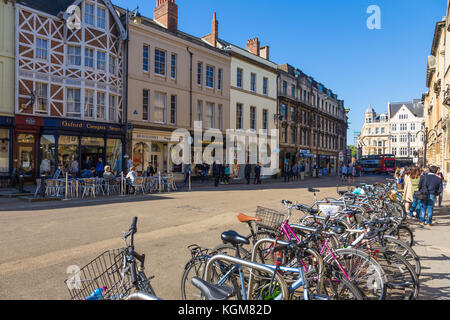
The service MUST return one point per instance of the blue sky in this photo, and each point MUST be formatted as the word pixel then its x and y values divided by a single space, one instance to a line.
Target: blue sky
pixel 329 40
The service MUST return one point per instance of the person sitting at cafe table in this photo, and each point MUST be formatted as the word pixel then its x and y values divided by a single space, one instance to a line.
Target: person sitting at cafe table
pixel 108 175
pixel 88 173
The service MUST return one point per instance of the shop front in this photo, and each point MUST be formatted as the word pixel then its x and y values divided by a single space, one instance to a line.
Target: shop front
pixel 154 147
pixel 6 136
pixel 307 158
pixel 80 145
pixel 26 145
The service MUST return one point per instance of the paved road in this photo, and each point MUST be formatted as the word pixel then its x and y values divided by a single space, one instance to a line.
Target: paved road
pixel 39 241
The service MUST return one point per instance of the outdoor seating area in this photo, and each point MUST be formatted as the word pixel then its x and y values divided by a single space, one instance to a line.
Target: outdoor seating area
pixel 75 188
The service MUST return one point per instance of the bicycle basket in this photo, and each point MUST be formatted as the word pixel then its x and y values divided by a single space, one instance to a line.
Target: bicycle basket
pixel 270 219
pixel 329 210
pixel 392 195
pixel 103 271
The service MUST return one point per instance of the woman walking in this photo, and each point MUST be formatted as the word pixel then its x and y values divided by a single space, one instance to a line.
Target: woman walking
pixel 413 183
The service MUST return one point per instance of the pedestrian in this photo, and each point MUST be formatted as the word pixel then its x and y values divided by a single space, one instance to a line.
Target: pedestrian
pixel 100 168
pixel 150 170
pixel 131 179
pixel 87 164
pixel 222 173
pixel 295 172
pixel 74 167
pixel 431 185
pixel 248 172
pixel 344 172
pixel 302 171
pixel 206 172
pixel 216 173
pixel 187 174
pixel 287 172
pixel 407 190
pixel 227 174
pixel 353 168
pixel 257 174
pixel 414 179
pixel 440 175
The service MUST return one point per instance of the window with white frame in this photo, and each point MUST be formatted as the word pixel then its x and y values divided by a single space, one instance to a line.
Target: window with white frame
pixel 101 106
pixel 265 86
pixel 89 58
pixel 239 116
pixel 220 110
pixel 146 58
pixel 89 14
pixel 145 105
pixel 89 104
pixel 239 77
pixel 219 79
pixel 41 97
pixel 160 107
pixel 173 109
pixel 112 64
pixel 265 119
pixel 112 108
pixel 74 102
pixel 74 53
pixel 253 118
pixel 394 139
pixel 173 66
pixel 101 18
pixel 209 77
pixel 101 60
pixel 413 126
pixel 41 49
pixel 210 115
pixel 403 127
pixel 253 82
pixel 160 62
pixel 199 73
pixel 394 127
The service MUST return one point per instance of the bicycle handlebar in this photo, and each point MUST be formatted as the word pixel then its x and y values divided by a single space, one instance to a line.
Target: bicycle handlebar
pixel 133 227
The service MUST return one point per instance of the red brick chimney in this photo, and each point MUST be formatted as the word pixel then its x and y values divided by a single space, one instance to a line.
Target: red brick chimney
pixel 214 35
pixel 253 46
pixel 166 13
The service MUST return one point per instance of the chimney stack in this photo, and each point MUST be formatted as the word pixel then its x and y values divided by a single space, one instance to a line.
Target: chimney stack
pixel 253 46
pixel 166 13
pixel 214 35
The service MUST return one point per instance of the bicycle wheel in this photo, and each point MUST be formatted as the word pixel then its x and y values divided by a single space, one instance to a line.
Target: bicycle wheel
pixel 403 233
pixel 196 268
pixel 402 282
pixel 339 288
pixel 359 268
pixel 230 250
pixel 393 244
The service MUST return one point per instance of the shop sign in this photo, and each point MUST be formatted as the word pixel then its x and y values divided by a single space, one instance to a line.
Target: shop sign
pixel 146 137
pixel 83 125
pixel 6 121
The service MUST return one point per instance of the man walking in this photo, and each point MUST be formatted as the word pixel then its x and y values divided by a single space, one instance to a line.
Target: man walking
pixel 248 172
pixel 429 184
pixel 302 171
pixel 258 174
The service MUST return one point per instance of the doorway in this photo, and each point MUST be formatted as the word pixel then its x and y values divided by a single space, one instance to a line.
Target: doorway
pixel 157 158
pixel 25 155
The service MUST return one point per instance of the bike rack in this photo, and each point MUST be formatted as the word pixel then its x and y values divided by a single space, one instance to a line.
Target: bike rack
pixel 142 296
pixel 252 266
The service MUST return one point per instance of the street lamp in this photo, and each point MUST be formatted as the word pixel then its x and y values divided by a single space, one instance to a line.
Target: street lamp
pixel 426 132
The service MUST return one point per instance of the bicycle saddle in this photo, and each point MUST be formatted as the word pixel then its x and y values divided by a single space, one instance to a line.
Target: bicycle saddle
pixel 244 218
pixel 234 238
pixel 341 193
pixel 313 190
pixel 212 292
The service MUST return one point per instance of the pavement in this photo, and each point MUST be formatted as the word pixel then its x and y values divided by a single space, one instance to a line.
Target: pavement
pixel 40 241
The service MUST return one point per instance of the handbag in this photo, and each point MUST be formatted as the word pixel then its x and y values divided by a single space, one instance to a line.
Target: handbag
pixel 420 195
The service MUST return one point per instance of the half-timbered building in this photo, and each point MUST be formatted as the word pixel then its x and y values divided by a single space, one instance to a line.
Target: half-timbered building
pixel 69 85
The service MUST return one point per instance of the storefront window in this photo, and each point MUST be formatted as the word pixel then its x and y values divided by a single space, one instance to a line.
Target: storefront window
pixel 141 153
pixel 92 150
pixel 114 154
pixel 47 147
pixel 68 153
pixel 4 151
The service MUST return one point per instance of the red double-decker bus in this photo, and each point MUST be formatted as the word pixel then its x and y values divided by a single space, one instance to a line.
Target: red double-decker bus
pixel 387 163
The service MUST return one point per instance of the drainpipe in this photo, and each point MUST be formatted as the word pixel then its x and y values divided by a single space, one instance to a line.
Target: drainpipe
pixel 190 88
pixel 125 101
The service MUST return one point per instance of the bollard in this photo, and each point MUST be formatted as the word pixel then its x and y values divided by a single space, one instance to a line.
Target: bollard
pixel 43 186
pixel 122 186
pixel 21 187
pixel 190 187
pixel 66 195
pixel 159 181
